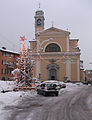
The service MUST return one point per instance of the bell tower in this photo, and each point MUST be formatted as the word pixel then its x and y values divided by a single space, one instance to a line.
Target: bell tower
pixel 39 21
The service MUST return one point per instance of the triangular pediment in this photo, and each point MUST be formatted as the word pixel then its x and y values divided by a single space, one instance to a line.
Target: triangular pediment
pixel 55 30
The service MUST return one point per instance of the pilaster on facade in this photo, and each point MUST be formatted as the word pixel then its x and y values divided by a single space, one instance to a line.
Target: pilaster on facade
pixel 67 42
pixel 68 65
pixel 68 70
pixel 37 68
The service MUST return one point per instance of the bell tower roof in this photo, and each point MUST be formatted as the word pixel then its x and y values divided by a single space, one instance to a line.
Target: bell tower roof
pixel 39 13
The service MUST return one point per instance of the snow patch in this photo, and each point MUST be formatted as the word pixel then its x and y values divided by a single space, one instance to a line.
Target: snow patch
pixel 30 116
pixel 71 87
pixel 11 98
pixel 7 85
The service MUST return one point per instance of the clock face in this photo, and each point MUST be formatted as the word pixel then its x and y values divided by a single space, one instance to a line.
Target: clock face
pixel 39 22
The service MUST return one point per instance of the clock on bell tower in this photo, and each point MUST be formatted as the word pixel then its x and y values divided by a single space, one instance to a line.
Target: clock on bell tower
pixel 39 21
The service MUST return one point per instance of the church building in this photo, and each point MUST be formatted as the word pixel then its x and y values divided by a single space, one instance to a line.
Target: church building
pixel 56 55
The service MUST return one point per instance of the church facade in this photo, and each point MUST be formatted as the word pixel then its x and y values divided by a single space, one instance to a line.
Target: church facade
pixel 57 57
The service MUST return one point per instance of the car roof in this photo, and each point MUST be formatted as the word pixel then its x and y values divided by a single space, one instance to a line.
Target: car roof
pixel 50 81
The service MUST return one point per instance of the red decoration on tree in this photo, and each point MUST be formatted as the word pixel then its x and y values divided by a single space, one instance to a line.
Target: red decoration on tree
pixel 22 38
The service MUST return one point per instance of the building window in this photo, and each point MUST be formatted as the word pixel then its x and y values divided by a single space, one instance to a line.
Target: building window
pixel 8 54
pixel 3 62
pixel 52 48
pixel 12 55
pixel 3 71
pixel 3 53
pixel 9 71
pixel 3 78
pixel 88 72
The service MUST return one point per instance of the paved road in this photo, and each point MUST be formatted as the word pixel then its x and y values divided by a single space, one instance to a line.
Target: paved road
pixel 67 106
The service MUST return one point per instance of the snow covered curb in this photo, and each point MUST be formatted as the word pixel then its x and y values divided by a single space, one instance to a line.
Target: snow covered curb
pixel 7 85
pixel 71 87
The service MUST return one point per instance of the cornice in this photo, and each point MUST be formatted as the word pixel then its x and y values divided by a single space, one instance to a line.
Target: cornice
pixel 56 54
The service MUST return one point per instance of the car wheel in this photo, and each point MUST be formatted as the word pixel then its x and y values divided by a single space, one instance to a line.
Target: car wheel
pixel 44 93
pixel 57 94
pixel 38 92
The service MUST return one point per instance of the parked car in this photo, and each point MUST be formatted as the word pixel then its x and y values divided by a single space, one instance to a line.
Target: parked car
pixel 62 85
pixel 86 82
pixel 48 88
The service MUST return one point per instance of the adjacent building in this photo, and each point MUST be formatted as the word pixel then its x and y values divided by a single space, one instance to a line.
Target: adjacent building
pixel 7 63
pixel 88 75
pixel 56 55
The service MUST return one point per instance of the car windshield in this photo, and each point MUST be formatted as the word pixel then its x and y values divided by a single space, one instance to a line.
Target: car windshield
pixel 51 85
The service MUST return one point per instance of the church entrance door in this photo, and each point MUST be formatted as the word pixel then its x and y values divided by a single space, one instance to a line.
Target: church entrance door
pixel 53 74
pixel 52 71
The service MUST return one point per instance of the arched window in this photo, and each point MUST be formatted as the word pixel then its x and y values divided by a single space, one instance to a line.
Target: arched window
pixel 52 48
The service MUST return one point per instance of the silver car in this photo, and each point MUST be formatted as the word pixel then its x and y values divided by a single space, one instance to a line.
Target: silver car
pixel 48 88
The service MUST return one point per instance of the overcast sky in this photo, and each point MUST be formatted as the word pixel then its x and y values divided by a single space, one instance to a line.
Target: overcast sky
pixel 17 19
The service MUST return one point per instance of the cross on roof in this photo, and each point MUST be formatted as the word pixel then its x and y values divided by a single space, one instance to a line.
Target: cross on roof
pixel 39 5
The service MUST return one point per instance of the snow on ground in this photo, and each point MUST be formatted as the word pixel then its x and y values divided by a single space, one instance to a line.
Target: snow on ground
pixel 71 86
pixel 11 98
pixel 7 85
